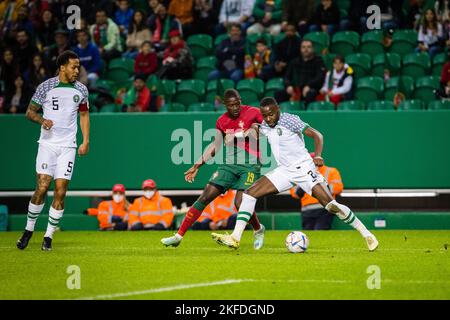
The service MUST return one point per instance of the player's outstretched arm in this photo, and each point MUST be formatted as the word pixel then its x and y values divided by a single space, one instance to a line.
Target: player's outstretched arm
pixel 33 115
pixel 85 130
pixel 318 144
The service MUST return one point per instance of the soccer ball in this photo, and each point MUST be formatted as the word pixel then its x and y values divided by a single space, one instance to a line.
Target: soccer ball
pixel 297 242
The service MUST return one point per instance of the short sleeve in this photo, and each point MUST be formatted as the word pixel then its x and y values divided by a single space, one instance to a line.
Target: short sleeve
pixel 294 123
pixel 39 95
pixel 84 102
pixel 219 125
pixel 258 116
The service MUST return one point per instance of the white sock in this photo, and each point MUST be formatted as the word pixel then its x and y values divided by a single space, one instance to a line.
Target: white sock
pixel 54 217
pixel 33 213
pixel 178 236
pixel 347 216
pixel 245 213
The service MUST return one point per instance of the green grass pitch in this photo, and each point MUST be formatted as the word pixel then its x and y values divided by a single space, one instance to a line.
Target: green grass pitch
pixel 134 265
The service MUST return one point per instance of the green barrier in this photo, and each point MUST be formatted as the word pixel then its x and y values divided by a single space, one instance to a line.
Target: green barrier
pixel 381 149
pixel 3 218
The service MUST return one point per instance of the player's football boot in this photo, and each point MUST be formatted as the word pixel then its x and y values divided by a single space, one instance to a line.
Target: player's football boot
pixel 258 237
pixel 226 240
pixel 22 243
pixel 372 242
pixel 47 244
pixel 173 241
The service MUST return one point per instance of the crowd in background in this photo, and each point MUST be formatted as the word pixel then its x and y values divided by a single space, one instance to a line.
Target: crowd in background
pixel 154 33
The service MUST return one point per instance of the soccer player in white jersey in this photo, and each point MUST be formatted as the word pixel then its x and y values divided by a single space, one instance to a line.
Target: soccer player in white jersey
pixel 295 167
pixel 61 99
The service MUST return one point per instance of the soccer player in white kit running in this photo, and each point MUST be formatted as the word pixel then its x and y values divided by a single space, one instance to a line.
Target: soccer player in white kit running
pixel 61 98
pixel 295 167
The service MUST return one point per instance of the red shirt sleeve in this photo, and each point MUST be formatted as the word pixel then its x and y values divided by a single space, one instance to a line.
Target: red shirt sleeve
pixel 219 125
pixel 144 99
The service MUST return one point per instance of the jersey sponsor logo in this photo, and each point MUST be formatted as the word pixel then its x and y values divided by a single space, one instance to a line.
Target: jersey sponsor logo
pixel 44 166
pixel 76 98
pixel 215 175
pixel 279 131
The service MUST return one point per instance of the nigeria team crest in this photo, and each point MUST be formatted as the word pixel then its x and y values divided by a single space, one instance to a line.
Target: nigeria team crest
pixel 76 98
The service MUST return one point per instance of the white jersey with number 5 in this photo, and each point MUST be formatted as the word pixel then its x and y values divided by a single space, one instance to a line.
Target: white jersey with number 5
pixel 60 103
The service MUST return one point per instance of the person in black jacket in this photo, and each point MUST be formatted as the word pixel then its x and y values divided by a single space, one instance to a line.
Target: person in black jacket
pixel 230 56
pixel 304 76
pixel 326 18
pixel 286 50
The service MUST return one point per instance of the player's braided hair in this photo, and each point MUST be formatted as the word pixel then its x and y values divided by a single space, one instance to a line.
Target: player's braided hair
pixel 268 101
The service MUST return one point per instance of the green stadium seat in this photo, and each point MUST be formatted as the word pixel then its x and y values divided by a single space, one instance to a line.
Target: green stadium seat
pixel 416 64
pixel 369 89
pixel 220 38
pixel 351 105
pixel 104 84
pixel 276 39
pixel 200 45
pixel 439 105
pixel 117 74
pixel 173 107
pixel 411 105
pixel 425 87
pixel 212 89
pixel 254 104
pixel 107 108
pixel 204 66
pixel 153 82
pixel 126 64
pixel 360 62
pixel 390 61
pixel 92 97
pixel 328 60
pixel 394 85
pixel 320 41
pixel 372 42
pixel 272 86
pixel 438 62
pixel 381 105
pixel 320 106
pixel 190 92
pixel 343 13
pixel 289 106
pixel 201 107
pixel 250 89
pixel 344 4
pixel 251 39
pixel 345 42
pixel 403 42
pixel 166 89
pixel 93 108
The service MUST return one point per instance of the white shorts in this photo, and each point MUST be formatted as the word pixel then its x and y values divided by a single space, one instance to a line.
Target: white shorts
pixel 303 175
pixel 55 161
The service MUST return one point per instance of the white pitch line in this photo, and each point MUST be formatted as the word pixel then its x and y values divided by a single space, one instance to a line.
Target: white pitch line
pixel 165 289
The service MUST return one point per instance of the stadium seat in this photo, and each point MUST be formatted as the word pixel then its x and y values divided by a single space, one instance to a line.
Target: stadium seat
pixel 416 64
pixel 93 108
pixel 320 40
pixel 201 107
pixel 320 106
pixel 152 82
pixel 126 64
pixel 390 61
pixel 173 107
pixel 411 105
pixel 403 42
pixel 104 84
pixel 328 60
pixel 438 62
pixel 351 105
pixel 289 106
pixel 250 89
pixel 250 42
pixel 117 74
pixel 200 45
pixel 345 42
pixel 369 89
pixel 217 88
pixel 344 4
pixel 278 38
pixel 190 92
pixel 439 105
pixel 425 88
pixel 372 42
pixel 107 108
pixel 360 62
pixel 220 38
pixel 272 86
pixel 381 105
pixel 167 89
pixel 204 66
pixel 394 85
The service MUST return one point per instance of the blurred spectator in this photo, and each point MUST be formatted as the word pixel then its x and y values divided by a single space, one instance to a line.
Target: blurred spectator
pixel 235 12
pixel 304 76
pixel 392 16
pixel 387 38
pixel 326 17
pixel 20 23
pixel 230 56
pixel 138 97
pixel 9 70
pixel 89 56
pixel 61 44
pixel 152 211
pixel 152 5
pixel 37 72
pixel 314 215
pixel 45 30
pixel 177 61
pixel 338 82
pixel 268 17
pixel 160 25
pixel 285 51
pixel 17 100
pixel 444 92
pixel 123 16
pixel 106 36
pixel 431 34
pixel 138 33
pixel 261 64
pixel 183 11
pixel 24 50
pixel 298 13
pixel 146 61
pixel 219 214
pixel 206 15
pixel 9 9
pixel 415 14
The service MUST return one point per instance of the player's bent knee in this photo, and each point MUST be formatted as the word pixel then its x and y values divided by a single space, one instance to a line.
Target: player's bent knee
pixel 332 207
